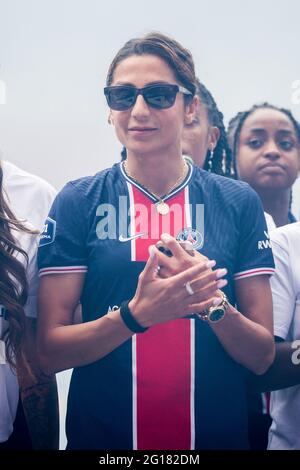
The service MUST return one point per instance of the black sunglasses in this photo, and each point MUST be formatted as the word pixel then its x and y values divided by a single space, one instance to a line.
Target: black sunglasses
pixel 160 96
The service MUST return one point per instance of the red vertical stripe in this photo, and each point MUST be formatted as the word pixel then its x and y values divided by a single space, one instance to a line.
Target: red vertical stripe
pixel 163 387
pixel 163 368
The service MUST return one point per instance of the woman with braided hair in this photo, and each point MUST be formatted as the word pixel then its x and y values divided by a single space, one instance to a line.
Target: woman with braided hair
pixel 32 421
pixel 265 145
pixel 205 140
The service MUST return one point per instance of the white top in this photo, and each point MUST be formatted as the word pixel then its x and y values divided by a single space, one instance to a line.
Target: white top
pixel 285 404
pixel 30 198
pixel 270 222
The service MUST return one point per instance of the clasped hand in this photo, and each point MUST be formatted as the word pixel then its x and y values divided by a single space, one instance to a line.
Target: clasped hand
pixel 176 286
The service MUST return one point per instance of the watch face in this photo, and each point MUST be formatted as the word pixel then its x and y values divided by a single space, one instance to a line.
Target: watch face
pixel 217 314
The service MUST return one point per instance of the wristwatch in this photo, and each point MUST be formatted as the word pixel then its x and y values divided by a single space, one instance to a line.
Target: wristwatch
pixel 216 313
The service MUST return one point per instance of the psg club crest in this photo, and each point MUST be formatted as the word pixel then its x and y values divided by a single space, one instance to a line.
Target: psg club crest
pixel 193 236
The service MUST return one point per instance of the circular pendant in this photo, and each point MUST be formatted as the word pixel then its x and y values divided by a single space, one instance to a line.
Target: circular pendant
pixel 162 208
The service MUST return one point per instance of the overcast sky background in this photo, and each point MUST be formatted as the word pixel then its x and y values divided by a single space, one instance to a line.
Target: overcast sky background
pixel 54 56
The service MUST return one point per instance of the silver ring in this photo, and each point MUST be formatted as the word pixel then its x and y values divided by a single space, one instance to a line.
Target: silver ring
pixel 189 288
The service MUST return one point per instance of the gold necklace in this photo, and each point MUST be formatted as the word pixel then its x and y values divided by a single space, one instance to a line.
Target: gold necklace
pixel 161 206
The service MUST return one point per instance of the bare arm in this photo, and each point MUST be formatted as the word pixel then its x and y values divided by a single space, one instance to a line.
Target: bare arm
pixel 63 344
pixel 284 372
pixel 39 397
pixel 248 337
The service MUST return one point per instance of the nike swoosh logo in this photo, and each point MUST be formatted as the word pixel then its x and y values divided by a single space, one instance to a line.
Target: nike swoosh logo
pixel 133 237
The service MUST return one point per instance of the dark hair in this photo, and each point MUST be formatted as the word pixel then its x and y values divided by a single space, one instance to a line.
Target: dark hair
pixel 123 154
pixel 13 283
pixel 237 122
pixel 177 57
pixel 221 163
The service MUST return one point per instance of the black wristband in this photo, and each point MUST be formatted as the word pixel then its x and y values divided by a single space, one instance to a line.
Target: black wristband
pixel 129 319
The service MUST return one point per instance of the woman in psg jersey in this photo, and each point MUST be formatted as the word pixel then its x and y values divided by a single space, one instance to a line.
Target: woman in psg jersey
pixel 161 358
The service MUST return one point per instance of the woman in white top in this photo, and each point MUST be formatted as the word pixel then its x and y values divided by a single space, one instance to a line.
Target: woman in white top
pixel 24 203
pixel 284 375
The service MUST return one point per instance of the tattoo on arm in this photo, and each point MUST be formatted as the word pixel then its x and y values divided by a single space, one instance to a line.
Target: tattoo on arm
pixel 40 403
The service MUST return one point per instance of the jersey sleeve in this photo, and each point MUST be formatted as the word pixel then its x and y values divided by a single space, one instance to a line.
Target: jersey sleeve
pixel 254 252
pixel 282 286
pixel 62 246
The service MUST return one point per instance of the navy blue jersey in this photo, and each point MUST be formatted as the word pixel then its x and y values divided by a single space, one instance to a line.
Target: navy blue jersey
pixel 173 387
